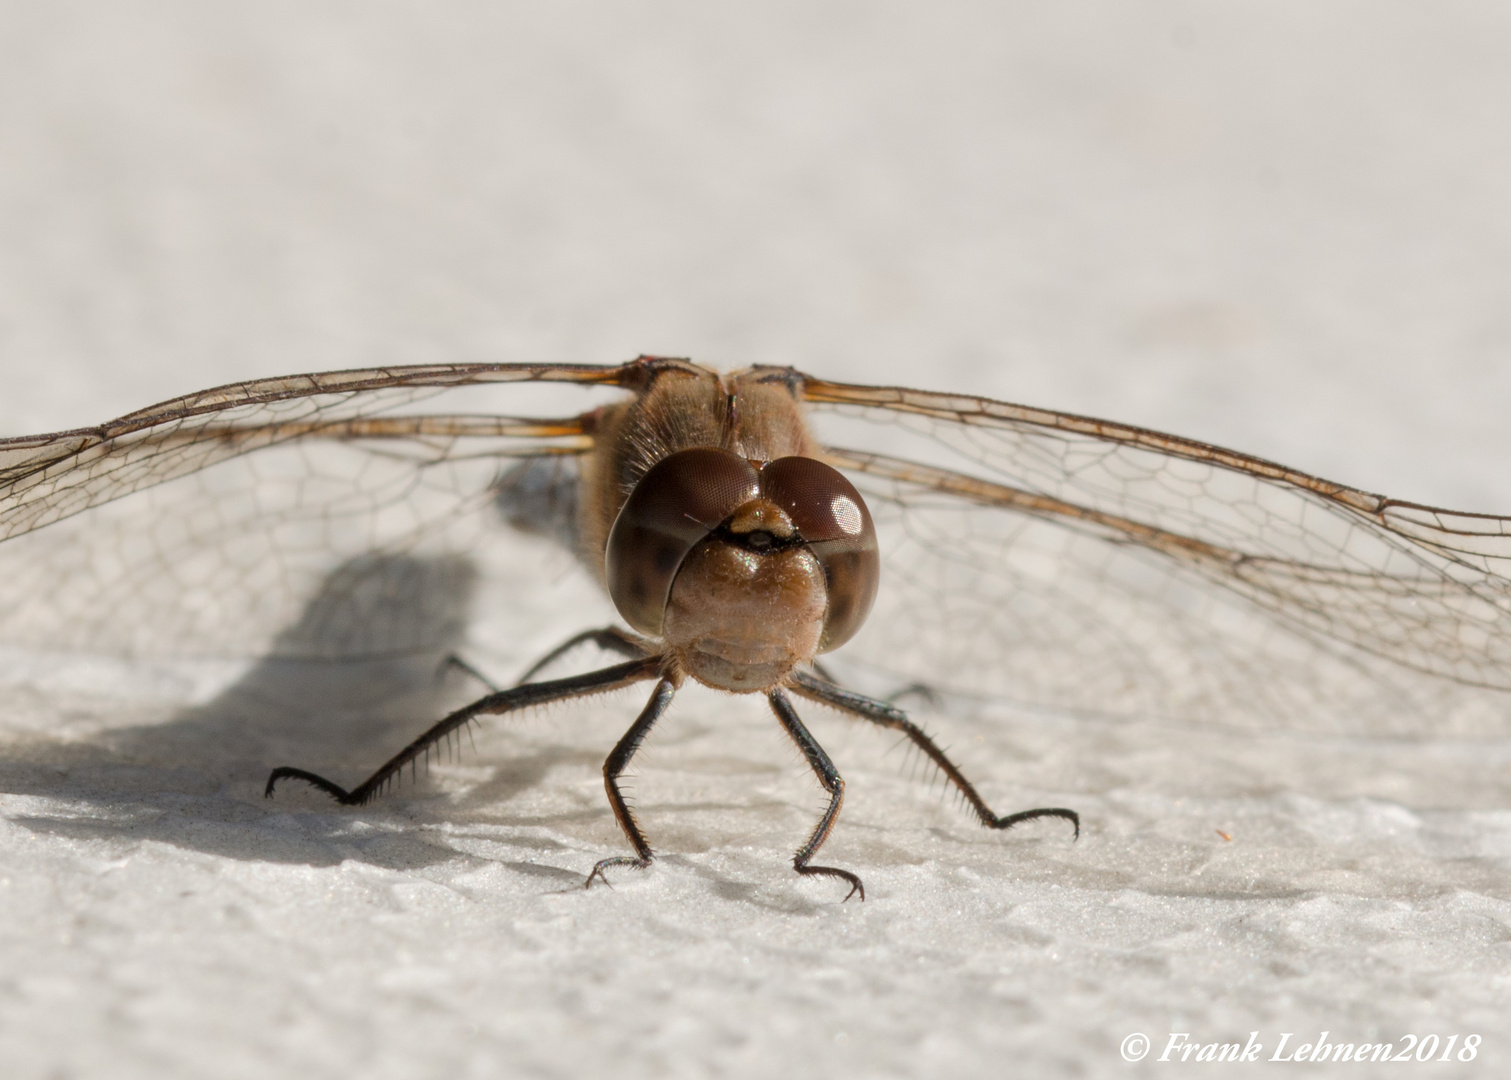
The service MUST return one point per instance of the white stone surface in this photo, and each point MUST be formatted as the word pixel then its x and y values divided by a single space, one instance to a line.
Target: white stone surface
pixel 1283 227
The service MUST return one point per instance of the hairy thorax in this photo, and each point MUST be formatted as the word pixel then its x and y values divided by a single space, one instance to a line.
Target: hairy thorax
pixel 747 599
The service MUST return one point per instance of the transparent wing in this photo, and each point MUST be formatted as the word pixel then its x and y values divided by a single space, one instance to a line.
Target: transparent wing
pixel 1033 558
pixel 1056 561
pixel 210 525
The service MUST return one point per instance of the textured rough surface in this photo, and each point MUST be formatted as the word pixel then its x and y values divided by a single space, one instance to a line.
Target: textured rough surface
pixel 1277 227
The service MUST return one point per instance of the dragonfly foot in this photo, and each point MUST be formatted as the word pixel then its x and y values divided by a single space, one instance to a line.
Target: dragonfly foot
pixel 856 888
pixel 287 772
pixel 1007 821
pixel 604 864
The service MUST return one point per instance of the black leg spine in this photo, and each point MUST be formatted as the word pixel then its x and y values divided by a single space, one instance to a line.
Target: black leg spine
pixel 613 768
pixel 829 776
pixel 504 701
pixel 889 716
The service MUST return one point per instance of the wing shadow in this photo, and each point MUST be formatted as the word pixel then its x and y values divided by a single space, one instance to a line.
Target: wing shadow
pixel 354 679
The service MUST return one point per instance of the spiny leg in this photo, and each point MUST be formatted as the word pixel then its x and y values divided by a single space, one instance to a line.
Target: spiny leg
pixel 455 662
pixel 922 691
pixel 519 697
pixel 614 766
pixel 607 638
pixel 889 717
pixel 829 776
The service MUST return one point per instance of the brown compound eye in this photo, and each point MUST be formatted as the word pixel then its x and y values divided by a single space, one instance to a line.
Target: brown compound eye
pixel 679 501
pixel 832 519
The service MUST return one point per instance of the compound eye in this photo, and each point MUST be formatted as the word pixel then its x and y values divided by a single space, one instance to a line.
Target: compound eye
pixel 680 500
pixel 832 519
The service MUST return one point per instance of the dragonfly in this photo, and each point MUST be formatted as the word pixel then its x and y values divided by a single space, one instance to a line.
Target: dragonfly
pixel 767 531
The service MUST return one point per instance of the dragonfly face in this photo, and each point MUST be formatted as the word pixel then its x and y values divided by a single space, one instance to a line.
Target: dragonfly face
pixel 746 566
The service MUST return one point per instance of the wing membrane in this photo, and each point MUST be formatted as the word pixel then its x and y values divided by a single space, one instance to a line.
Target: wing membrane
pixel 49 477
pixel 1072 563
pixel 205 525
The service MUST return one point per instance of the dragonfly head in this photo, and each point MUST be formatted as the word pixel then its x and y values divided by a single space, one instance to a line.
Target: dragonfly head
pixel 744 571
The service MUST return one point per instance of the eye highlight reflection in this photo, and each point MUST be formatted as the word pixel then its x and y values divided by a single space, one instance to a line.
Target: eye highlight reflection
pixel 847 515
